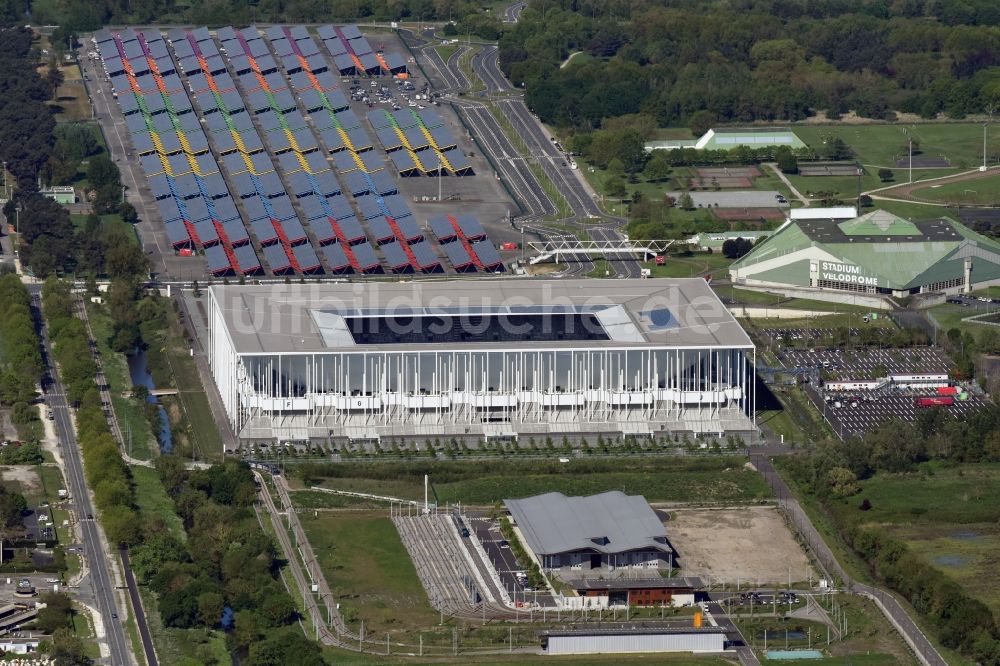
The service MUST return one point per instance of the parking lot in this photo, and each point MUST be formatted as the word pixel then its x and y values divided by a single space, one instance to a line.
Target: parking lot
pixel 858 412
pixel 503 560
pixel 870 362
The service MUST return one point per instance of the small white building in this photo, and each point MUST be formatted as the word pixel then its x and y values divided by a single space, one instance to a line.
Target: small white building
pixel 683 639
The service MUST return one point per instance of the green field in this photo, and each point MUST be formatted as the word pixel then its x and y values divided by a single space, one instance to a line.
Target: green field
pixel 446 50
pixel 878 145
pixel 948 516
pixel 140 440
pixel 370 571
pixel 704 479
pixel 154 502
pixel 981 191
pixel 698 264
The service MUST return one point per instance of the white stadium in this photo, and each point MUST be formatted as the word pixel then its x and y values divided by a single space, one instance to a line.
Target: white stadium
pixel 476 358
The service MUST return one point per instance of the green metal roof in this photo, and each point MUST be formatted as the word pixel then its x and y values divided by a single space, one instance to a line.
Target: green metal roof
pixel 898 263
pixel 879 223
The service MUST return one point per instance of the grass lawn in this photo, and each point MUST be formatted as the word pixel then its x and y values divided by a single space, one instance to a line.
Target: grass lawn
pixel 698 264
pixel 878 144
pixel 950 316
pixel 670 478
pixel 107 221
pixel 71 103
pixel 446 50
pixel 153 501
pixel 985 191
pixel 751 297
pixel 988 292
pixel 130 415
pixel 189 412
pixel 367 566
pixel 948 515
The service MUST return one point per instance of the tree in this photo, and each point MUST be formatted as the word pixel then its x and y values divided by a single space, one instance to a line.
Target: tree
pixel 128 213
pixel 685 201
pixel 66 649
pixel 842 482
pixel 58 612
pixel 701 121
pixel 122 525
pixel 105 178
pixel 210 606
pixel 786 160
pixel 615 187
pixel 658 167
pixel 734 248
pixel 885 175
pixel 54 78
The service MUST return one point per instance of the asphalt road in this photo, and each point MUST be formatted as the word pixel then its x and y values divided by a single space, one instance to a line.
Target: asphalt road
pixel 512 14
pixel 622 263
pixel 513 169
pixel 98 561
pixel 486 65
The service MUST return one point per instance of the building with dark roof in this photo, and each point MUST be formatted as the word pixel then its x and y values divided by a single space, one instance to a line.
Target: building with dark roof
pixel 608 532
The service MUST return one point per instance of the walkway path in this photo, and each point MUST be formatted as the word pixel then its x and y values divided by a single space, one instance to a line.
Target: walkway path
pixel 784 179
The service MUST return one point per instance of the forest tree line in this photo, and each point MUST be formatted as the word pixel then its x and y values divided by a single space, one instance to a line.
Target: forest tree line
pixel 694 63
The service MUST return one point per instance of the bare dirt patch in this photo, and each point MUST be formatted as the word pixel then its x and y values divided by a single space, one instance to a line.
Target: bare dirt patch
pixel 25 477
pixel 750 544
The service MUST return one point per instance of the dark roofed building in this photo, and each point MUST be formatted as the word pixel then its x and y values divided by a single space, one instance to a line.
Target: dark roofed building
pixel 605 532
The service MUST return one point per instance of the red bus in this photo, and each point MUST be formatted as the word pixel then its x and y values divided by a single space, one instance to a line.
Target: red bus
pixel 947 390
pixel 937 401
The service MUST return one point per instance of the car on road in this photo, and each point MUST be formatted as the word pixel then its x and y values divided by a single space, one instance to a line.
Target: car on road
pixel 114 615
pixel 504 543
pixel 90 516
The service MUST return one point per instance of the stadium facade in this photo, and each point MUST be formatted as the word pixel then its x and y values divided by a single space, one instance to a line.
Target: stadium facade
pixel 478 358
pixel 877 253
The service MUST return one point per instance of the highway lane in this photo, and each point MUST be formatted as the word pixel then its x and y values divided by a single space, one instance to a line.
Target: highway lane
pixel 623 263
pixel 486 65
pixel 514 169
pixel 551 159
pixel 512 13
pixel 90 531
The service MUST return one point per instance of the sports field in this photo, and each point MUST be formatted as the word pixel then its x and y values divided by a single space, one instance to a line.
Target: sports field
pixel 879 145
pixel 981 191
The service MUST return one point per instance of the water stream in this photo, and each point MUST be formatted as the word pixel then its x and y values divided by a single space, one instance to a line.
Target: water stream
pixel 141 377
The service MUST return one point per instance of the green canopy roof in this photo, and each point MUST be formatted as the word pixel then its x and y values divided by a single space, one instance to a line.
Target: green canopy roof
pixel 879 223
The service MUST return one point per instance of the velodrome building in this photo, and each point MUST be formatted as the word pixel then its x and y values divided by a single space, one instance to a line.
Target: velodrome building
pixel 478 358
pixel 877 253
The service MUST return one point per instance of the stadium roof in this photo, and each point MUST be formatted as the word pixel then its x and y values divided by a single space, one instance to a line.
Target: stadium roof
pixel 281 318
pixel 610 522
pixel 898 253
